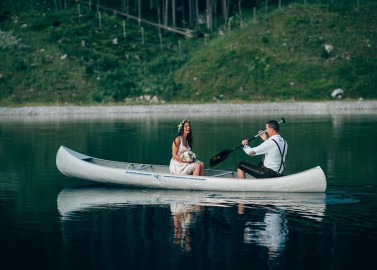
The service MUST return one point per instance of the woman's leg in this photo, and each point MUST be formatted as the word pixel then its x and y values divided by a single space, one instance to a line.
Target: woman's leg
pixel 199 169
pixel 202 172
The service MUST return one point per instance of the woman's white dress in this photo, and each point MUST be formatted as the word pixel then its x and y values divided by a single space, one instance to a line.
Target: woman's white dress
pixel 178 167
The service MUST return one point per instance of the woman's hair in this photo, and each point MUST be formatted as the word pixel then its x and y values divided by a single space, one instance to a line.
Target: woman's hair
pixel 181 125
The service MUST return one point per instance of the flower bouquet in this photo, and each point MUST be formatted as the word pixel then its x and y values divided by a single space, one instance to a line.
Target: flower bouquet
pixel 188 156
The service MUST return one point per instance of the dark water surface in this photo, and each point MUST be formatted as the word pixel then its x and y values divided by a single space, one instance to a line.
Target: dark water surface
pixel 49 221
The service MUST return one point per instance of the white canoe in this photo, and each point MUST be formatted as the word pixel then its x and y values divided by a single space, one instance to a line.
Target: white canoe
pixel 74 164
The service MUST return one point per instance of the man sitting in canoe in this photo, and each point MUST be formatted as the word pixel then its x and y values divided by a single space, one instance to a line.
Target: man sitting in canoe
pixel 275 149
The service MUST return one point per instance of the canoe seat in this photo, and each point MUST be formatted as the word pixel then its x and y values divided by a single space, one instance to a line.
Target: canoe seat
pixel 141 167
pixel 221 174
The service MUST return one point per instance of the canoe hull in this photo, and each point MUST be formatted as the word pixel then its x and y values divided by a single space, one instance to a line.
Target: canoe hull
pixel 77 165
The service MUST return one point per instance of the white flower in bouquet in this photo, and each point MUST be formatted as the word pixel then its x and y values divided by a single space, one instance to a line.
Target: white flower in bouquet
pixel 188 156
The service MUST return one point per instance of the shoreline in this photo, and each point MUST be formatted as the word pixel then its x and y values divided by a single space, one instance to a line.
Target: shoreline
pixel 315 108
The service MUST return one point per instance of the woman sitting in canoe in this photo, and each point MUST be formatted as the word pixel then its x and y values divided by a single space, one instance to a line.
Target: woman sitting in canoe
pixel 183 160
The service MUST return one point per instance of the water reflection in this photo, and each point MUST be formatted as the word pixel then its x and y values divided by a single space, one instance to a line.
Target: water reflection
pixel 183 216
pixel 187 206
pixel 72 200
pixel 272 233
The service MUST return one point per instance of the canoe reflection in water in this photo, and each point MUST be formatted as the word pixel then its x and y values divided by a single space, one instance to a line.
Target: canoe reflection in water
pixel 187 206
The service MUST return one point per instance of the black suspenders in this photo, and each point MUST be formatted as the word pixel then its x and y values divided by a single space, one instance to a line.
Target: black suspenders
pixel 282 155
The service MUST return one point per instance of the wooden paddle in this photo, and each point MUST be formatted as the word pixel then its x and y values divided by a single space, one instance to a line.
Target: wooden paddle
pixel 220 157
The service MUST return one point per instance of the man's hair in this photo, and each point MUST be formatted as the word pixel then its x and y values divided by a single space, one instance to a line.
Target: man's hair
pixel 274 125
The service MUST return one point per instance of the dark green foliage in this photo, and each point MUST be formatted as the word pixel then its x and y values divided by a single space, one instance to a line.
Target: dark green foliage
pixel 20 65
pixel 107 63
pixel 116 86
pixel 51 55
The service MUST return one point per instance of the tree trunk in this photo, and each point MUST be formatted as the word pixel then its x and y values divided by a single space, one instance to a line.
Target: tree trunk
pixel 197 12
pixel 139 9
pixel 165 12
pixel 123 6
pixel 159 17
pixel 224 7
pixel 173 9
pixel 214 14
pixel 209 15
pixel 190 8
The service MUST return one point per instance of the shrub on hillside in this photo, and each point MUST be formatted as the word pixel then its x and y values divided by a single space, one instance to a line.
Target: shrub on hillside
pixel 8 41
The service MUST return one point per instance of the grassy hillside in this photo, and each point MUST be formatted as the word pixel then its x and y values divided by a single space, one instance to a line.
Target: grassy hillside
pixel 283 56
pixel 57 57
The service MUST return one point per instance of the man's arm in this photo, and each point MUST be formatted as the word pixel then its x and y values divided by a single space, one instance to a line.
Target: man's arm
pixel 248 150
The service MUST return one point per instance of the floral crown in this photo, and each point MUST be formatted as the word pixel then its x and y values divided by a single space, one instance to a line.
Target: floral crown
pixel 180 126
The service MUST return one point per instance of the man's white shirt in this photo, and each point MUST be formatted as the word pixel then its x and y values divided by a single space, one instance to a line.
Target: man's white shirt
pixel 271 151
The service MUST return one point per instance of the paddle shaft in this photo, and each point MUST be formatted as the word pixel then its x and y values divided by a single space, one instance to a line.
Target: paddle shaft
pixel 249 140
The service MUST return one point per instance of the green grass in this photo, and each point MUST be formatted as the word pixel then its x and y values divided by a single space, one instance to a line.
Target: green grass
pixel 281 56
pixel 32 70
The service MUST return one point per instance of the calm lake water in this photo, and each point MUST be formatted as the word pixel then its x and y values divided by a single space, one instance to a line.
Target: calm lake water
pixel 49 221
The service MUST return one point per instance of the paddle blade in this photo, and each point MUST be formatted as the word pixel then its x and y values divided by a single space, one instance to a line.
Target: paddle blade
pixel 219 157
